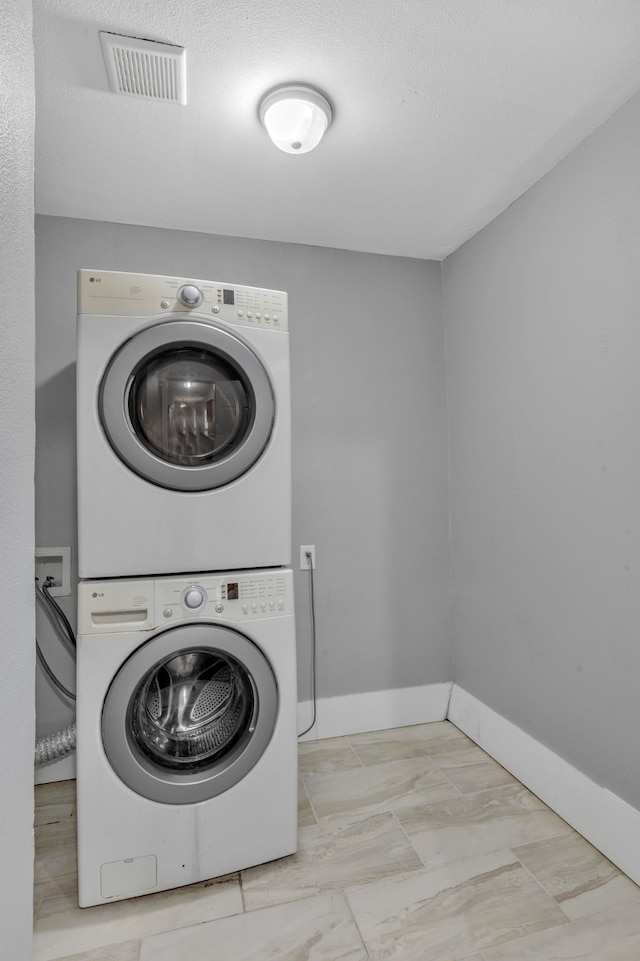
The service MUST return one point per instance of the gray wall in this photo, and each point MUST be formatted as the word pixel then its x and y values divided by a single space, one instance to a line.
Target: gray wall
pixel 16 480
pixel 543 355
pixel 369 434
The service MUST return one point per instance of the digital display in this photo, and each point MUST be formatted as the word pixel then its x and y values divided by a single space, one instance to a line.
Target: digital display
pixel 228 297
pixel 232 591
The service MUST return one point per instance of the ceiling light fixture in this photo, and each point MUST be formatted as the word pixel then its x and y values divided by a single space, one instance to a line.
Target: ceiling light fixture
pixel 295 117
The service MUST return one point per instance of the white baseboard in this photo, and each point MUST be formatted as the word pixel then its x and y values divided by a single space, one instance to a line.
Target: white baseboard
pixel 374 710
pixel 603 818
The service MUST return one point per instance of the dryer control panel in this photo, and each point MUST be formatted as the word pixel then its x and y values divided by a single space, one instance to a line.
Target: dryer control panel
pixel 142 604
pixel 147 295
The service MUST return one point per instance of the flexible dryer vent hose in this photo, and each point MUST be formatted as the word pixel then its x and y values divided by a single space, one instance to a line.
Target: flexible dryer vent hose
pixel 55 746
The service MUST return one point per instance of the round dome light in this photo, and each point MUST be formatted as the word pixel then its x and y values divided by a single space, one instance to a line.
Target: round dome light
pixel 295 117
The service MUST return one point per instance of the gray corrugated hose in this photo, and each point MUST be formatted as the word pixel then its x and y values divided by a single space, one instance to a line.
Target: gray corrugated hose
pixel 54 746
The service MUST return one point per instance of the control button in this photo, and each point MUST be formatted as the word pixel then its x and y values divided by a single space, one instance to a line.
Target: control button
pixel 249 315
pixel 266 316
pixel 272 605
pixel 190 295
pixel 194 597
pixel 245 608
pixel 254 607
pixel 215 310
pixel 164 304
pixel 167 612
pixel 241 313
pixel 219 608
pixel 276 319
pixel 258 316
pixel 263 605
pixel 280 603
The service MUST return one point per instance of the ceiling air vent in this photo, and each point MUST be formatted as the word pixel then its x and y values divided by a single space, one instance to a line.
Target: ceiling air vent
pixel 145 68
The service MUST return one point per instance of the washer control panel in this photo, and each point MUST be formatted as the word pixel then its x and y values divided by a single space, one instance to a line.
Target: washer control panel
pixel 141 604
pixel 145 295
pixel 238 596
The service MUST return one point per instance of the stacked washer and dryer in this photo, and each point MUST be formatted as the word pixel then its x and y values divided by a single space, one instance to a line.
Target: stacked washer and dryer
pixel 186 663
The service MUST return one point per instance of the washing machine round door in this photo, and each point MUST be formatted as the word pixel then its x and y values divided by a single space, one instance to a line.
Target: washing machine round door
pixel 187 405
pixel 189 714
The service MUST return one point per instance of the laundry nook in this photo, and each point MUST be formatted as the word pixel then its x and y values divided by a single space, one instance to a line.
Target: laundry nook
pixel 320 519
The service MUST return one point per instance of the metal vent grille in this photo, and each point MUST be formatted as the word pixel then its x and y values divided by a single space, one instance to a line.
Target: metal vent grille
pixel 145 68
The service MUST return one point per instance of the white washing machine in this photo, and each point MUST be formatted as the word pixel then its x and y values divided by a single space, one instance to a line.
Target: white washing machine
pixel 186 729
pixel 183 426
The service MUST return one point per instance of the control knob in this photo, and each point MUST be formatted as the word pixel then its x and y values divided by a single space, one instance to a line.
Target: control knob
pixel 194 597
pixel 190 295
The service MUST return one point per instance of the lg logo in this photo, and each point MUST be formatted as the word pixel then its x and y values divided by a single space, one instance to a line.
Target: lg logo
pixel 95 280
pixel 96 594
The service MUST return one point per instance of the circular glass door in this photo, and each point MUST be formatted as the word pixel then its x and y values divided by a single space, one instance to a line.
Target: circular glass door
pixel 187 405
pixel 189 714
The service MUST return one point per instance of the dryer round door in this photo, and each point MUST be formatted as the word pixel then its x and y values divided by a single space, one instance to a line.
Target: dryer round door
pixel 189 713
pixel 187 405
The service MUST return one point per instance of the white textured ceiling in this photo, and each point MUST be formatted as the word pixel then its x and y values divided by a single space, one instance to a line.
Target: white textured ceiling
pixel 445 112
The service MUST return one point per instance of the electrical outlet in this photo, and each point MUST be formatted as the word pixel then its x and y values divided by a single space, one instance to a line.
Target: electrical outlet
pixel 304 550
pixel 54 562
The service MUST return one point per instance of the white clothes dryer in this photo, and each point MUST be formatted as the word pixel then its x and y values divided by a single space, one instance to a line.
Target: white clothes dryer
pixel 183 426
pixel 186 729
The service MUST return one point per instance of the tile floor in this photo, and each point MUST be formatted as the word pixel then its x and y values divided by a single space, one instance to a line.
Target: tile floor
pixel 414 846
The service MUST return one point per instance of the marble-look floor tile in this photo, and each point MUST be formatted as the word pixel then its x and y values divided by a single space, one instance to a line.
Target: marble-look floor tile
pixel 54 821
pixel 450 912
pixel 53 813
pixel 315 929
pixel 306 816
pixel 389 786
pixel 456 904
pixel 331 857
pixel 419 740
pixel 54 830
pixel 126 951
pixel 462 748
pixel 77 930
pixel 326 757
pixel 611 935
pixel 61 895
pixel 478 823
pixel 39 889
pixel 472 770
pixel 580 879
pixel 55 857
pixel 55 792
